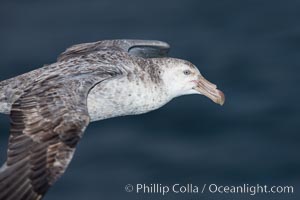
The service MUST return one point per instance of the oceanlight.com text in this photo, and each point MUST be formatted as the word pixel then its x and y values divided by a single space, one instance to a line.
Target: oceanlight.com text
pixel 164 189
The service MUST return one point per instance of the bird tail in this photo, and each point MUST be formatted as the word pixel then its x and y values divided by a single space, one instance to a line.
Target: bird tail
pixel 4 98
pixel 11 89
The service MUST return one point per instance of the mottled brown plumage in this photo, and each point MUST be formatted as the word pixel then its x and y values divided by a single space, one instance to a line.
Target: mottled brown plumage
pixel 50 107
pixel 48 118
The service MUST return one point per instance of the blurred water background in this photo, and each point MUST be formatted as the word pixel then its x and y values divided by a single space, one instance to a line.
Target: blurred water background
pixel 250 49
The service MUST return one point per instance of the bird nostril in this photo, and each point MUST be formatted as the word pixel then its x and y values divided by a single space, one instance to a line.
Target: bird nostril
pixel 205 83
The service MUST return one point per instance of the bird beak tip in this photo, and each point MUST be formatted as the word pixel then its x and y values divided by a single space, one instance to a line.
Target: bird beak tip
pixel 221 99
pixel 210 90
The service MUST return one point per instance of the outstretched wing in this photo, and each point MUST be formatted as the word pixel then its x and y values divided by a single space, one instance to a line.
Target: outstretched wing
pixel 46 124
pixel 140 48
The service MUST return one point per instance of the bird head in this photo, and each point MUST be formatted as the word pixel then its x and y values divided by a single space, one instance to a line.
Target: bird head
pixel 182 78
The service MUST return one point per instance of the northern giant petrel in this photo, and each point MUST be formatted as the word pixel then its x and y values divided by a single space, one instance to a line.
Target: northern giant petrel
pixel 50 107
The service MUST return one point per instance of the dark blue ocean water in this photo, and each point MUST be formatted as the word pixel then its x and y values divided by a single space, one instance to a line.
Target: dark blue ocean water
pixel 250 49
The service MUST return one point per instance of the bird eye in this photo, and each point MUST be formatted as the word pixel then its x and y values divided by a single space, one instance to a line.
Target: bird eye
pixel 186 72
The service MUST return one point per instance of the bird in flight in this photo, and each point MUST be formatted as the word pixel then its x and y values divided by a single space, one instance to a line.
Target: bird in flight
pixel 51 107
